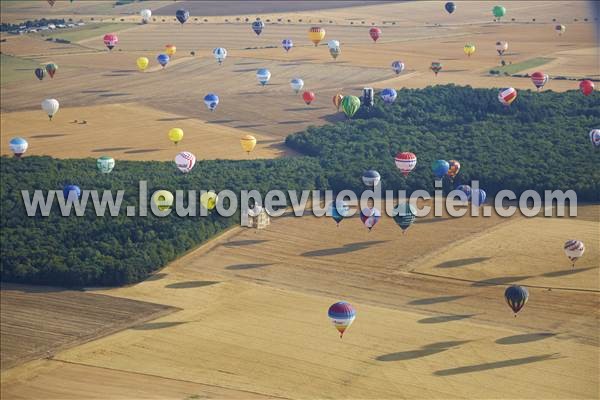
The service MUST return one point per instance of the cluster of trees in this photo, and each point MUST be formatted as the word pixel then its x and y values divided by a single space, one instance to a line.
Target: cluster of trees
pixel 540 142
pixel 5 27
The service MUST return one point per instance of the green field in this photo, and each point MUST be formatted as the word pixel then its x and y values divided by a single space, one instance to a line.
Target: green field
pixel 86 32
pixel 16 69
pixel 527 64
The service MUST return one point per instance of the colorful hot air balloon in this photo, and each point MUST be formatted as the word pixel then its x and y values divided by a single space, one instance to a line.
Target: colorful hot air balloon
pixel 405 162
pixel 436 67
pixel 18 146
pixel 163 199
pixel 182 15
pixel 170 50
pixel 466 189
pixel 469 49
pixel 51 2
pixel 375 33
pixel 499 12
pixel 316 34
pixel 175 135
pixel 297 84
pixel 478 197
pixel 440 168
pixel 574 250
pixel 339 211
pixel 369 217
pixel 404 215
pixel 342 315
pixel 350 105
pixel 586 87
pixel 595 137
pixel 308 97
pixel 248 143
pixel 72 192
pixel 560 29
pixel 110 40
pixel 501 47
pixel 337 100
pixel 332 44
pixel 388 95
pixel 142 63
pixel 146 14
pixel 40 73
pixel 163 59
pixel 539 79
pixel 398 67
pixel 212 101
pixel 287 44
pixel 450 7
pixel 335 52
pixel 220 53
pixel 371 178
pixel 257 27
pixel 263 75
pixel 507 96
pixel 51 69
pixel 516 297
pixel 105 164
pixel 209 200
pixel 454 167
pixel 185 161
pixel 50 106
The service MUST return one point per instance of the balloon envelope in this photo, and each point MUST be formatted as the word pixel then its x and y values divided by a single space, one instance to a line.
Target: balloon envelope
pixel 263 75
pixel 404 215
pixel 398 66
pixel 185 161
pixel 478 197
pixel 40 73
pixel 499 11
pixel 539 79
pixel 287 44
pixel 440 168
pixel 163 59
pixel 50 106
pixel 146 14
pixel 375 33
pixel 450 7
pixel 110 40
pixel 466 189
pixel 257 27
pixel 209 200
pixel 297 84
pixel 105 164
pixel 342 315
pixel 18 146
pixel 248 143
pixel 516 296
pixel 211 101
pixel 454 167
pixel 51 69
pixel 586 87
pixel 350 105
pixel 595 137
pixel 574 249
pixel 370 216
pixel 175 135
pixel 501 47
pixel 388 95
pixel 316 34
pixel 405 162
pixel 371 178
pixel 469 49
pixel 220 53
pixel 170 50
pixel 308 97
pixel 163 199
pixel 339 210
pixel 507 96
pixel 337 100
pixel 142 63
pixel 72 192
pixel 182 15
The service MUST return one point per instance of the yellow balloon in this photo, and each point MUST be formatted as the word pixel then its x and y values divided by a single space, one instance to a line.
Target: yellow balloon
pixel 142 63
pixel 175 135
pixel 163 199
pixel 316 34
pixel 469 49
pixel 170 50
pixel 248 143
pixel 209 200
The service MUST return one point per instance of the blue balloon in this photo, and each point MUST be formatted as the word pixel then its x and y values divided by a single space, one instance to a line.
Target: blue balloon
pixel 263 75
pixel 388 95
pixel 212 101
pixel 287 44
pixel 478 197
pixel 440 168
pixel 466 189
pixel 163 59
pixel 257 27
pixel 72 191
pixel 450 7
pixel 182 15
pixel 339 211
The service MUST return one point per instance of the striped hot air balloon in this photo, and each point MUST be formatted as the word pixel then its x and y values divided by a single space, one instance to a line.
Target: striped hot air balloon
pixel 105 164
pixel 501 47
pixel 507 96
pixel 436 67
pixel 287 44
pixel 371 178
pixel 516 297
pixel 185 161
pixel 263 75
pixel 539 79
pixel 342 315
pixel 337 100
pixel 338 211
pixel 375 33
pixel 18 146
pixel 316 34
pixel 211 101
pixel 574 250
pixel 388 95
pixel 257 27
pixel 248 142
pixel 110 40
pixel 466 189
pixel 595 137
pixel 405 162
pixel 398 67
pixel 404 215
pixel 453 169
pixel 220 53
pixel 370 217
pixel 297 84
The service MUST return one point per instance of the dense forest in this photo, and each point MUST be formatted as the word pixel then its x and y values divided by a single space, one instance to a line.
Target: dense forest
pixel 540 142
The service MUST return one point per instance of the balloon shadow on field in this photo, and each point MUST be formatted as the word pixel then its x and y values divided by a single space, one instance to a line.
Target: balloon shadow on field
pixel 156 277
pixel 46 136
pixel 307 108
pixel 455 70
pixel 221 121
pixel 444 318
pixel 434 300
pixel 424 351
pixel 238 243
pixel 92 91
pixel 141 151
pixel 504 280
pixel 432 220
pixel 245 70
pixel 156 325
pixel 191 284
pixel 497 364
pixel 106 149
pixel 461 262
pixel 566 272
pixel 249 126
pixel 173 119
pixel 347 248
pixel 292 122
pixel 113 94
pixel 237 267
pixel 526 338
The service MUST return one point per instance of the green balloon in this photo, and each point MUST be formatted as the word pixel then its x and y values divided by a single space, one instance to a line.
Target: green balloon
pixel 404 215
pixel 499 11
pixel 105 164
pixel 350 105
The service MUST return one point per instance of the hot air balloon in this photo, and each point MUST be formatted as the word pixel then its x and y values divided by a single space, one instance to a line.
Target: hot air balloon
pixel 185 161
pixel 388 95
pixel 110 40
pixel 105 164
pixel 436 67
pixel 507 96
pixel 342 315
pixel 220 53
pixel 175 135
pixel 369 217
pixel 51 2
pixel 398 67
pixel 375 33
pixel 18 146
pixel 308 97
pixel 339 211
pixel 50 106
pixel 163 199
pixel 287 44
pixel 146 14
pixel 297 84
pixel 405 162
pixel 371 178
pixel 404 215
pixel 332 44
pixel 337 100
pixel 248 143
pixel 586 87
pixel 335 52
pixel 51 69
pixel 516 297
pixel 72 192
pixel 466 189
pixel 454 167
pixel 499 12
pixel 257 27
pixel 440 168
pixel 450 7
pixel 574 250
pixel 163 59
pixel 209 200
pixel 501 47
pixel 469 49
pixel 350 105
pixel 560 29
pixel 595 137
pixel 212 101
pixel 539 79
pixel 316 34
pixel 142 63
pixel 182 15
pixel 478 197
pixel 170 50
pixel 40 73
pixel 263 75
